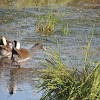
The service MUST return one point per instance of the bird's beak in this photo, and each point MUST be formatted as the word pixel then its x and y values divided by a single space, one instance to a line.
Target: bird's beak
pixel 44 48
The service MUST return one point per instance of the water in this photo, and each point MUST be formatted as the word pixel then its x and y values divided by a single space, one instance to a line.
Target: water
pixel 20 25
pixel 18 83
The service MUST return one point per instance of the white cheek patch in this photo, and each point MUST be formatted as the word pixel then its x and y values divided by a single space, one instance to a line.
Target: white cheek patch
pixel 4 41
pixel 18 45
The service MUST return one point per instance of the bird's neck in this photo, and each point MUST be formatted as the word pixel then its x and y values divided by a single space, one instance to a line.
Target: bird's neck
pixel 33 51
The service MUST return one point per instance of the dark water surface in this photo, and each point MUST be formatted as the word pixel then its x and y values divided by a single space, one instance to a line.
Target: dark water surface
pixel 20 25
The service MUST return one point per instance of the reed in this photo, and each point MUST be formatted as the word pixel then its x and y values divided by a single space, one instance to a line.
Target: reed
pixel 52 22
pixel 61 82
pixel 46 23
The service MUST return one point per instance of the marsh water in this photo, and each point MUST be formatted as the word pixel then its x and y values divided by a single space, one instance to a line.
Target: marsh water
pixel 20 24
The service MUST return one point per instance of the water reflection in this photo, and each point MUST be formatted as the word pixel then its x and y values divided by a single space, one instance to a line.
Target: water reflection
pixel 19 76
pixel 16 78
pixel 5 62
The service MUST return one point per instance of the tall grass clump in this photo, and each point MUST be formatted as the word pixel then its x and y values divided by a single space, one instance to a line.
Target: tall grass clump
pixel 47 23
pixel 61 82
pixel 52 22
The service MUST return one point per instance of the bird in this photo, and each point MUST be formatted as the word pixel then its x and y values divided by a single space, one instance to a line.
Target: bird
pixel 21 56
pixel 4 47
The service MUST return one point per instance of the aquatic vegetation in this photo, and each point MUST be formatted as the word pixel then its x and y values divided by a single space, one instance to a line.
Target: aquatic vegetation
pixel 25 3
pixel 66 30
pixel 52 22
pixel 47 23
pixel 61 82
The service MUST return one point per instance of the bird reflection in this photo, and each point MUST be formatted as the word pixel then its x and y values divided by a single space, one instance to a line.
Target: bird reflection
pixel 18 76
pixel 4 62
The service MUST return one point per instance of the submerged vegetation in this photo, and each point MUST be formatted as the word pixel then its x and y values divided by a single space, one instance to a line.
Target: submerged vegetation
pixel 61 82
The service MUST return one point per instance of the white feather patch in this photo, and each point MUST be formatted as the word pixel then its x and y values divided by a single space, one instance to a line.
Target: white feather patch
pixel 4 40
pixel 24 59
pixel 18 45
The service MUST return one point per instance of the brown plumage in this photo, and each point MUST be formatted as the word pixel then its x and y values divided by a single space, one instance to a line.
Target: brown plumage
pixel 24 53
pixel 4 48
pixel 21 56
pixel 7 43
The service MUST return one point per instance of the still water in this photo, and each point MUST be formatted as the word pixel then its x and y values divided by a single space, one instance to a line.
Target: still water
pixel 20 24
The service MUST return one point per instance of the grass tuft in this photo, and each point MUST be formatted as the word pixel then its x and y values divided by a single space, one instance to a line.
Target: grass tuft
pixel 49 23
pixel 46 23
pixel 61 82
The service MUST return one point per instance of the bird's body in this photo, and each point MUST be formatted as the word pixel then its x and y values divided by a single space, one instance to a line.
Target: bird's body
pixel 4 48
pixel 22 56
pixel 18 55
